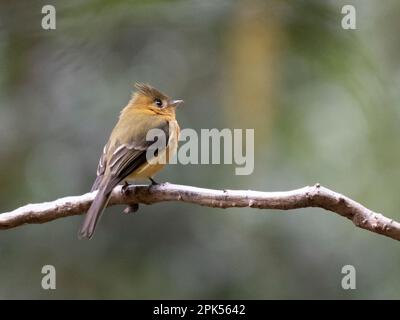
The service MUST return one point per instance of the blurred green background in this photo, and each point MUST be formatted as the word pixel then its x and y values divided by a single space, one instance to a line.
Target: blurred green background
pixel 324 103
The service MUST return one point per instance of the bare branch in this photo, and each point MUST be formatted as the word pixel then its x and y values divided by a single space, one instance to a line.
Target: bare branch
pixel 315 196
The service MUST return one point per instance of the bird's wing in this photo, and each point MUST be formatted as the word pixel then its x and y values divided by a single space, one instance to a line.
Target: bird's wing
pixel 101 169
pixel 129 156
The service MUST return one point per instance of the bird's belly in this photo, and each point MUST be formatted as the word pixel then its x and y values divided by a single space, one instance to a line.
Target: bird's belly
pixel 145 171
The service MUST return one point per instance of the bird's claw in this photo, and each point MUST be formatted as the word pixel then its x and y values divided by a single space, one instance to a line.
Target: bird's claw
pixel 125 188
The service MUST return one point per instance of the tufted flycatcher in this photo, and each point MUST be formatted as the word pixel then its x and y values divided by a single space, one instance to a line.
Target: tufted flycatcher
pixel 125 155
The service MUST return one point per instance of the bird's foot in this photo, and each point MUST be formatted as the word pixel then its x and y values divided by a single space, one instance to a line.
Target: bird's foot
pixel 125 188
pixel 153 182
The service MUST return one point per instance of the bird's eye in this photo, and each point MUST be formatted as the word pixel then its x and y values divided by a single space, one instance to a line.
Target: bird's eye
pixel 158 102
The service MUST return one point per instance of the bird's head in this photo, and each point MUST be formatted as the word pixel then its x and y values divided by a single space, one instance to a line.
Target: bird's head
pixel 150 99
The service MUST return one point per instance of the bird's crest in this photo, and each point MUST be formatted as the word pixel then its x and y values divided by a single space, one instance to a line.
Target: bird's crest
pixel 149 91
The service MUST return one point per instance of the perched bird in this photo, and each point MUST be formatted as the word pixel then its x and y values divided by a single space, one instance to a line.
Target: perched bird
pixel 125 155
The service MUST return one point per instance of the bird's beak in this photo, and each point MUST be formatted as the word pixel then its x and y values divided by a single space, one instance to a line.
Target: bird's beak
pixel 176 103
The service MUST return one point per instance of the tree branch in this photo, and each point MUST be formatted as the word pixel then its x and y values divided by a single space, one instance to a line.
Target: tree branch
pixel 315 196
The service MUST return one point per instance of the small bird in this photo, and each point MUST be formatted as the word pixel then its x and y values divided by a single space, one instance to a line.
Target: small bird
pixel 124 156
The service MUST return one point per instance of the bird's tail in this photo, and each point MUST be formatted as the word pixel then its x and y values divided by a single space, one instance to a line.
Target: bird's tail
pixel 94 213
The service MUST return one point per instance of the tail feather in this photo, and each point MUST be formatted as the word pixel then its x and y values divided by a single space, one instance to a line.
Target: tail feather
pixel 94 213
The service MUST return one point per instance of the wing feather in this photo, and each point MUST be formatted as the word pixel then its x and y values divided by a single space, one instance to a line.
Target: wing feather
pixel 129 156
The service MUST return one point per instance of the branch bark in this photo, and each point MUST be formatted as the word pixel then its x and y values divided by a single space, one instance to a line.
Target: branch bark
pixel 310 196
